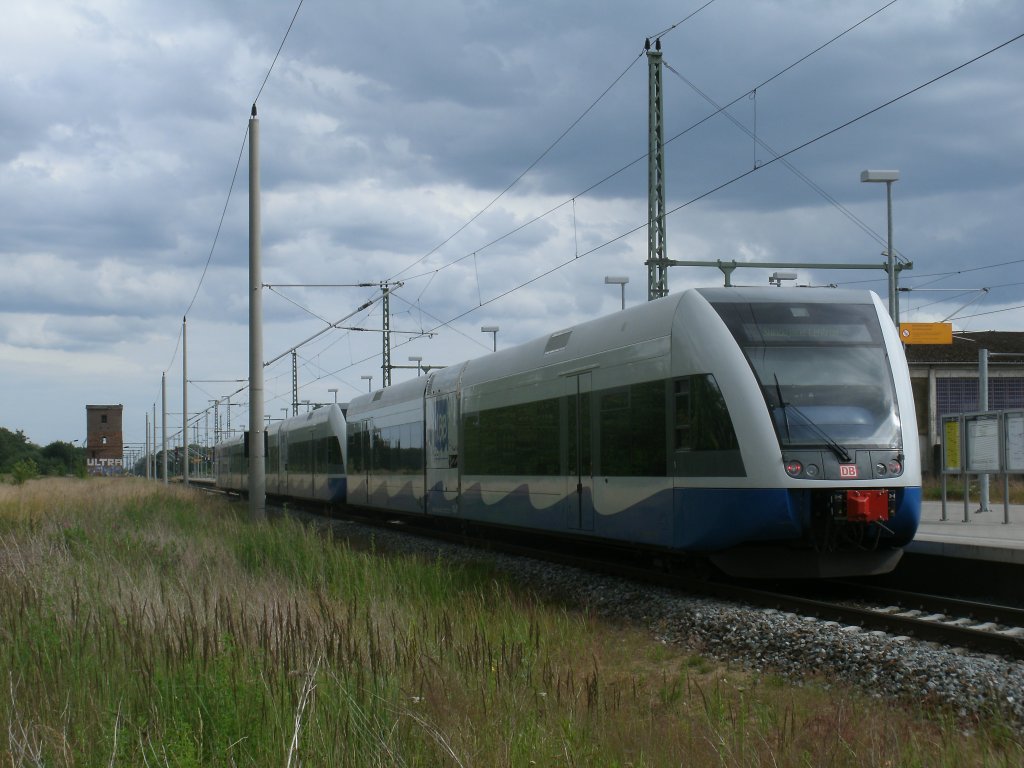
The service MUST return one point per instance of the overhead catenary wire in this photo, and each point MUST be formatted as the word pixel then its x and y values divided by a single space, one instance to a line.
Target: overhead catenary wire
pixel 780 156
pixel 534 279
pixel 749 172
pixel 519 178
pixel 238 162
pixel 572 200
pixel 682 21
pixel 637 160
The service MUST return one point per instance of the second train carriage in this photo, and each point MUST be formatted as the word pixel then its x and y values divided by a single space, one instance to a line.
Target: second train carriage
pixel 305 458
pixel 772 429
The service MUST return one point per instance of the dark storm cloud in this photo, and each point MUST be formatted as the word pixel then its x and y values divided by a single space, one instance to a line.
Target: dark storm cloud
pixel 386 126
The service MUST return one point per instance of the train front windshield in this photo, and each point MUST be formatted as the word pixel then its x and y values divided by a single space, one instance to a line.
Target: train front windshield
pixel 823 370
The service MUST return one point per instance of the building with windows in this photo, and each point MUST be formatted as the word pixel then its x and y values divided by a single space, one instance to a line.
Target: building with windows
pixel 104 440
pixel 945 381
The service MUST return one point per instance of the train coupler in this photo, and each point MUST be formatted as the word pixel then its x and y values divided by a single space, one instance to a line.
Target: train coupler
pixel 864 506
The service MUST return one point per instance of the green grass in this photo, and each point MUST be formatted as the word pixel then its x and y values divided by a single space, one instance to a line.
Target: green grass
pixel 141 625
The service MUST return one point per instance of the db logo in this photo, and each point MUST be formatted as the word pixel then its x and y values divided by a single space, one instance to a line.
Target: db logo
pixel 847 470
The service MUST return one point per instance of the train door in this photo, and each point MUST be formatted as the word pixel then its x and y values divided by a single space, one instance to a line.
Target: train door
pixel 359 462
pixel 282 461
pixel 580 476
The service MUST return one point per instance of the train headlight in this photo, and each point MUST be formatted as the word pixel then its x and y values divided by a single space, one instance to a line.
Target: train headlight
pixel 881 468
pixel 812 470
pixel 794 468
pixel 895 467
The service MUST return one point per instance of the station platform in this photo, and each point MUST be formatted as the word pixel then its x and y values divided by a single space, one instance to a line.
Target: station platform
pixel 984 536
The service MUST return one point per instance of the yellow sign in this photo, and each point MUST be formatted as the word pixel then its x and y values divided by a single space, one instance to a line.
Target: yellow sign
pixel 951 445
pixel 926 333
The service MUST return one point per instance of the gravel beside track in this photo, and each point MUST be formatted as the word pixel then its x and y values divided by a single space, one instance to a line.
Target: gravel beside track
pixel 759 639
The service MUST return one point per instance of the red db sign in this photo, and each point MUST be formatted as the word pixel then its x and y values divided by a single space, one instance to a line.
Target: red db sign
pixel 847 470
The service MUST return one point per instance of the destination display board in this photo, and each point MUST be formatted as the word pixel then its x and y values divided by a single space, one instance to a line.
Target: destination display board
pixel 983 440
pixel 951 444
pixel 1013 440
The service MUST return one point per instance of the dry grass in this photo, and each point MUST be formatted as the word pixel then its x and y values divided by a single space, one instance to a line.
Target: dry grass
pixel 141 625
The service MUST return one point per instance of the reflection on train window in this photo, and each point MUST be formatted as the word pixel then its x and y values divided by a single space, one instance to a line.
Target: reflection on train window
pixel 358 447
pixel 514 440
pixel 393 449
pixel 631 433
pixel 704 437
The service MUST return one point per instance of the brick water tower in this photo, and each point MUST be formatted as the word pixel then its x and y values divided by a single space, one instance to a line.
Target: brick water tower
pixel 104 441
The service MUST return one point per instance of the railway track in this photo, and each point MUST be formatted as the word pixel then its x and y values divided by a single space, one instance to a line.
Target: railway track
pixel 981 627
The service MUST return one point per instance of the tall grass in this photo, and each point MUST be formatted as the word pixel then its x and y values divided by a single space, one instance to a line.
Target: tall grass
pixel 141 625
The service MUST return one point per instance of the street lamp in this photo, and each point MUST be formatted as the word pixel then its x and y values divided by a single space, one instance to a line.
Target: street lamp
pixel 334 391
pixel 369 381
pixel 493 330
pixel 621 282
pixel 888 177
pixel 416 359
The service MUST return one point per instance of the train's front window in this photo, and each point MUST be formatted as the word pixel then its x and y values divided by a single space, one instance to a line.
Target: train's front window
pixel 823 370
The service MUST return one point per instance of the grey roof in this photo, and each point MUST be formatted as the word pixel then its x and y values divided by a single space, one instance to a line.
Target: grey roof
pixel 965 346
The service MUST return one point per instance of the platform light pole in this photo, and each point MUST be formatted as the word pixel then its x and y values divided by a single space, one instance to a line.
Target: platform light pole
pixel 334 391
pixel 621 282
pixel 369 381
pixel 888 177
pixel 418 359
pixel 493 330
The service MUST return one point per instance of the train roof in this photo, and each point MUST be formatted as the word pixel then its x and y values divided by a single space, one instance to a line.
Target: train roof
pixel 325 413
pixel 739 294
pixel 626 328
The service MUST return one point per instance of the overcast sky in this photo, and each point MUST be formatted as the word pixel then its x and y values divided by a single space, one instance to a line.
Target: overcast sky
pixel 386 127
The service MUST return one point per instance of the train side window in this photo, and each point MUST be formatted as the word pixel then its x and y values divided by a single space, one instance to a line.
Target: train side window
pixel 513 440
pixel 626 417
pixel 703 434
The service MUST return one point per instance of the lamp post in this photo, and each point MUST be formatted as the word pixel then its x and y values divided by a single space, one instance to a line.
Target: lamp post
pixel 334 391
pixel 493 330
pixel 621 282
pixel 369 381
pixel 418 359
pixel 888 177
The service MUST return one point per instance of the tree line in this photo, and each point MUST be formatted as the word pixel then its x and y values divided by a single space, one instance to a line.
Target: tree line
pixel 23 460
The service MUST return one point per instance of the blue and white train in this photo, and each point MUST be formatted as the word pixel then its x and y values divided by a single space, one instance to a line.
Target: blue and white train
pixel 305 458
pixel 771 430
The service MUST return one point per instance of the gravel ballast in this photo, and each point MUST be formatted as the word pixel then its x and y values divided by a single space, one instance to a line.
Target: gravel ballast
pixel 760 639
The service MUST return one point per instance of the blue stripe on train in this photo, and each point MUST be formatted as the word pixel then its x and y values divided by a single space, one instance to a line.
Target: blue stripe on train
pixel 696 519
pixel 712 518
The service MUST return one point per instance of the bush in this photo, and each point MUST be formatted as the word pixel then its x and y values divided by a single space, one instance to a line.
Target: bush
pixel 23 470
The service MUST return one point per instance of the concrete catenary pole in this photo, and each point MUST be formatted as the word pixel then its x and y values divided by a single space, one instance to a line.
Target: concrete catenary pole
pixel 147 446
pixel 184 401
pixel 257 429
pixel 163 421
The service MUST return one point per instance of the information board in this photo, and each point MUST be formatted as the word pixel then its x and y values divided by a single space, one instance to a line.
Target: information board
pixel 983 439
pixel 951 445
pixel 1013 440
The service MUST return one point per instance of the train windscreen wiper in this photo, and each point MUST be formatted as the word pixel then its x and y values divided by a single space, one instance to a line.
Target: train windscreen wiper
pixel 782 405
pixel 840 452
